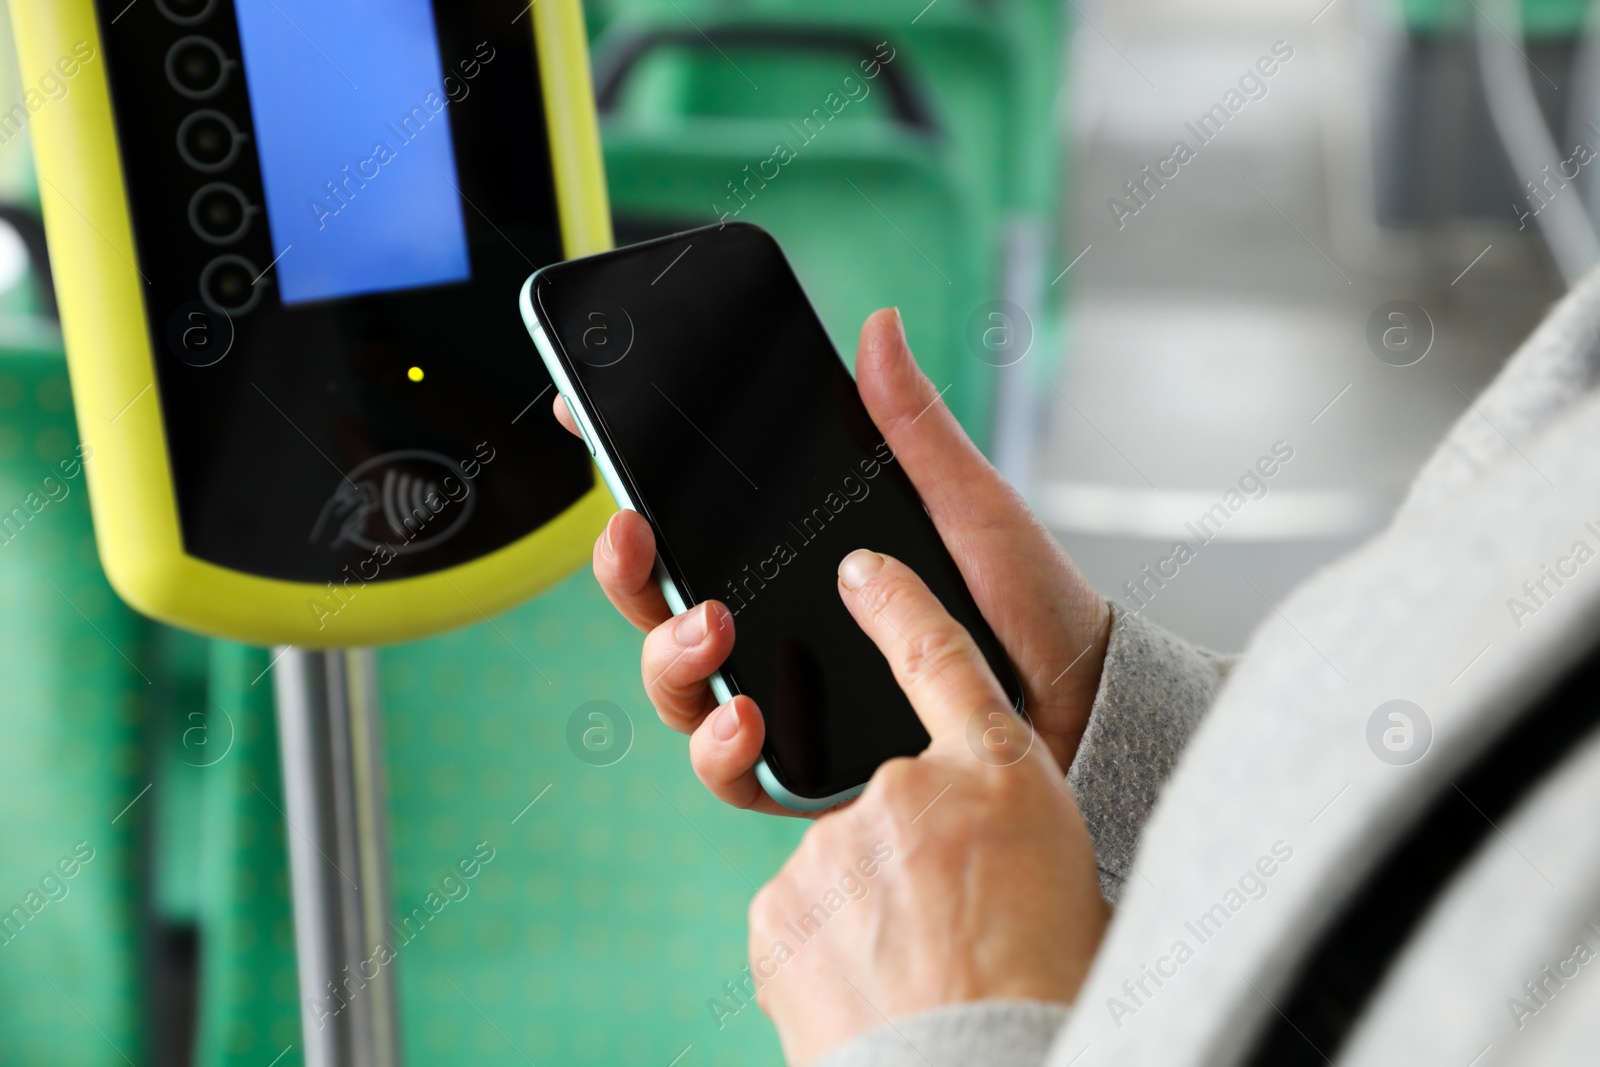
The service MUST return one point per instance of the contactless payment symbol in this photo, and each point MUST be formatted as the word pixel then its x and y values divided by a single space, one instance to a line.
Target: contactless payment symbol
pixel 406 501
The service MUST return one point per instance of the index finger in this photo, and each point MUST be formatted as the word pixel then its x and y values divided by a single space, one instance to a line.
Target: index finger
pixel 933 658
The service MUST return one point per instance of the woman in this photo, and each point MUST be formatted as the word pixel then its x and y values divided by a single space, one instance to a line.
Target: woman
pixel 1379 843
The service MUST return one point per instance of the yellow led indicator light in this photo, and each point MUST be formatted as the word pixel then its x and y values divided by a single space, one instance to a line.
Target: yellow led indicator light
pixel 415 374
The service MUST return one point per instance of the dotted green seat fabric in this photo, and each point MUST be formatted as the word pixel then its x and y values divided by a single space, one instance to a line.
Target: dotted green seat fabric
pixel 73 704
pixel 611 914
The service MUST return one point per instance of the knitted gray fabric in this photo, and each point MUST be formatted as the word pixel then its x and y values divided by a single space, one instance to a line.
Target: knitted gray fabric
pixel 986 1033
pixel 1154 689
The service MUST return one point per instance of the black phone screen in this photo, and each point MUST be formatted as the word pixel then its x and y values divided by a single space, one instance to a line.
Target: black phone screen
pixel 742 439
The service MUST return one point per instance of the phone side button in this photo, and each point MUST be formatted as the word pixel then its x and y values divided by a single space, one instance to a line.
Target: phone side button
pixel 583 433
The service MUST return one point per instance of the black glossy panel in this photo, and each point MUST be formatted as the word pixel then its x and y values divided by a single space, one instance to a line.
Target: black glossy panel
pixel 300 444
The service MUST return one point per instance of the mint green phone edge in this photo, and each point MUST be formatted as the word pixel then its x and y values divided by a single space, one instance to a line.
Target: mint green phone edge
pixel 669 589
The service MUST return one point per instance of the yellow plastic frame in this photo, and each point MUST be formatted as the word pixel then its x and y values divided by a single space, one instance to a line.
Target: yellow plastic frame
pixel 109 357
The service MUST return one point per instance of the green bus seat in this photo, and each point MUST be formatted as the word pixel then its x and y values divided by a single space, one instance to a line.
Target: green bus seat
pixel 1541 19
pixel 982 80
pixel 864 213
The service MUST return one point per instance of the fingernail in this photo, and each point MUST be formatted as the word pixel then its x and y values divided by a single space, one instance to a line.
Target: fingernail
pixel 727 723
pixel 690 630
pixel 899 323
pixel 858 567
pixel 605 540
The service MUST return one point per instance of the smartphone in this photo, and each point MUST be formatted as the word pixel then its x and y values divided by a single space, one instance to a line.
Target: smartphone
pixel 716 406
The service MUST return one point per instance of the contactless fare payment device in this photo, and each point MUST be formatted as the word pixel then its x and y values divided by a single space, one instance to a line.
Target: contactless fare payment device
pixel 288 237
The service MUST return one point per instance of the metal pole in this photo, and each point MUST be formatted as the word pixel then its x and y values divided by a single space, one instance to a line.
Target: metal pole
pixel 1017 404
pixel 335 803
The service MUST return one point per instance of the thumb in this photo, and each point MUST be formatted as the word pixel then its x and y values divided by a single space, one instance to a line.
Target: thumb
pixel 957 483
pixel 934 659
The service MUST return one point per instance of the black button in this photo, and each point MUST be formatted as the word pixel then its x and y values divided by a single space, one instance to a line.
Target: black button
pixel 208 141
pixel 227 285
pixel 197 67
pixel 219 213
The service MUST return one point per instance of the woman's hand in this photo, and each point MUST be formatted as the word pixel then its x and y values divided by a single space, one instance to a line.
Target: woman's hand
pixel 964 874
pixel 1051 621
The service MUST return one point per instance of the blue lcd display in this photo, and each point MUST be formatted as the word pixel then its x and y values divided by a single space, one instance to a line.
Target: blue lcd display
pixel 353 132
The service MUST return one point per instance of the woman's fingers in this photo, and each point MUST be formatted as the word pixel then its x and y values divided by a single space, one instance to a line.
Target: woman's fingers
pixel 725 742
pixel 563 416
pixel 724 750
pixel 679 656
pixel 624 565
pixel 625 556
pixel 1049 618
pixel 932 656
pixel 956 481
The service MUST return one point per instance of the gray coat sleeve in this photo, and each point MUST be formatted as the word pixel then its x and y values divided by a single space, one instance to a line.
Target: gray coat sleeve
pixel 1154 690
pixel 985 1033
